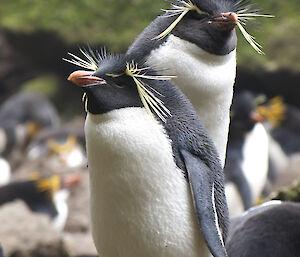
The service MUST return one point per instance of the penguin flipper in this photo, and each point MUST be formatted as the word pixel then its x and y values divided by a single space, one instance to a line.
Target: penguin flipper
pixel 201 181
pixel 233 172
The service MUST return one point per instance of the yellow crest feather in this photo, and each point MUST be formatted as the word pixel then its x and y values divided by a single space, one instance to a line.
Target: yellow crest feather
pixel 146 93
pixel 51 184
pixel 274 112
pixel 180 10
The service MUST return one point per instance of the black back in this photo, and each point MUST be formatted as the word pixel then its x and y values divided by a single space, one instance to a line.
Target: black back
pixel 266 231
pixel 25 107
pixel 27 191
pixel 241 123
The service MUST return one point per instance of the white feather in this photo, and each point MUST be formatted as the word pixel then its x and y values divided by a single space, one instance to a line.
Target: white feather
pixel 206 79
pixel 254 166
pixel 60 200
pixel 5 172
pixel 140 202
pixel 255 159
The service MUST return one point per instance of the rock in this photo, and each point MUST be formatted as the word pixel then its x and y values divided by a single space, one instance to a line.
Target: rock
pixel 27 234
pixel 80 244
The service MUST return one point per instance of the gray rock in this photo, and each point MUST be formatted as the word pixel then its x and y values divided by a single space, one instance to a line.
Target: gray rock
pixel 27 234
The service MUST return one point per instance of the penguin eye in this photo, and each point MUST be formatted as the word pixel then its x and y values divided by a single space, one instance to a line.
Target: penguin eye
pixel 118 85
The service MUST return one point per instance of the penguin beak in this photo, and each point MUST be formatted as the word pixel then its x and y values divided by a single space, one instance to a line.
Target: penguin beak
pixel 226 21
pixel 84 78
pixel 71 180
pixel 255 117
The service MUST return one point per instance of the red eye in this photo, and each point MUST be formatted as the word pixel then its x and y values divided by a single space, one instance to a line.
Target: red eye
pixel 119 85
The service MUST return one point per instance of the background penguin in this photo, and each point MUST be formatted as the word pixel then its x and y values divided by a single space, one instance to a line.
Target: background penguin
pixel 45 195
pixel 21 117
pixel 271 229
pixel 26 107
pixel 66 144
pixel 247 159
pixel 153 175
pixel 13 137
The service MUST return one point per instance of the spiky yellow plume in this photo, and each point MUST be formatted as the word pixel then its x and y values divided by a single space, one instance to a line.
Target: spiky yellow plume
pixel 180 10
pixel 51 184
pixel 146 92
pixel 274 111
pixel 244 15
pixel 59 148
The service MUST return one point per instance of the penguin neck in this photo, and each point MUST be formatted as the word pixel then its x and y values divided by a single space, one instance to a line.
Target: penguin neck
pixel 206 79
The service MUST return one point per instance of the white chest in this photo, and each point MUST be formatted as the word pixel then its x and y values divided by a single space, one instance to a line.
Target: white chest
pixel 5 172
pixel 140 202
pixel 60 199
pixel 254 166
pixel 255 159
pixel 206 79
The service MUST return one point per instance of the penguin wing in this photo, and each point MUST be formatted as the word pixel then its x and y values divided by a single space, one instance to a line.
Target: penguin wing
pixel 233 173
pixel 202 184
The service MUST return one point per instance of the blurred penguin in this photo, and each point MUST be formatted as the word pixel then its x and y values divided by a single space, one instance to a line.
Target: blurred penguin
pixel 26 107
pixel 247 159
pixel 42 195
pixel 65 144
pixel 283 121
pixel 21 117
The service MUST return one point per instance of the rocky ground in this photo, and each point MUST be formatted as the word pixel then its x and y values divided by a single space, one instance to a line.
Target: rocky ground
pixel 27 234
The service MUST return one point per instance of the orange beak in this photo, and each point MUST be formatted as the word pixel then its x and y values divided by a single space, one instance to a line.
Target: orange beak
pixel 84 78
pixel 71 180
pixel 256 117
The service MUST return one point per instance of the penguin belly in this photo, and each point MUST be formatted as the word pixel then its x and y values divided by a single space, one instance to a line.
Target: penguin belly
pixel 206 79
pixel 255 159
pixel 140 201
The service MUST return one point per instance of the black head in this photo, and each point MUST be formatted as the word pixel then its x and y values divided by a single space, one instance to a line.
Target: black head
pixel 243 115
pixel 108 88
pixel 208 24
pixel 119 83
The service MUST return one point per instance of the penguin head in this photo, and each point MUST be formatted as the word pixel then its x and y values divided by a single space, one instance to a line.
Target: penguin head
pixel 210 23
pixel 119 83
pixel 243 113
pixel 108 87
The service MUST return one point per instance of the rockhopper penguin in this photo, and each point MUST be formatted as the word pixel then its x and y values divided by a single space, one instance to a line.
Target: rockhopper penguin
pixel 196 41
pixel 247 157
pixel 42 195
pixel 155 177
